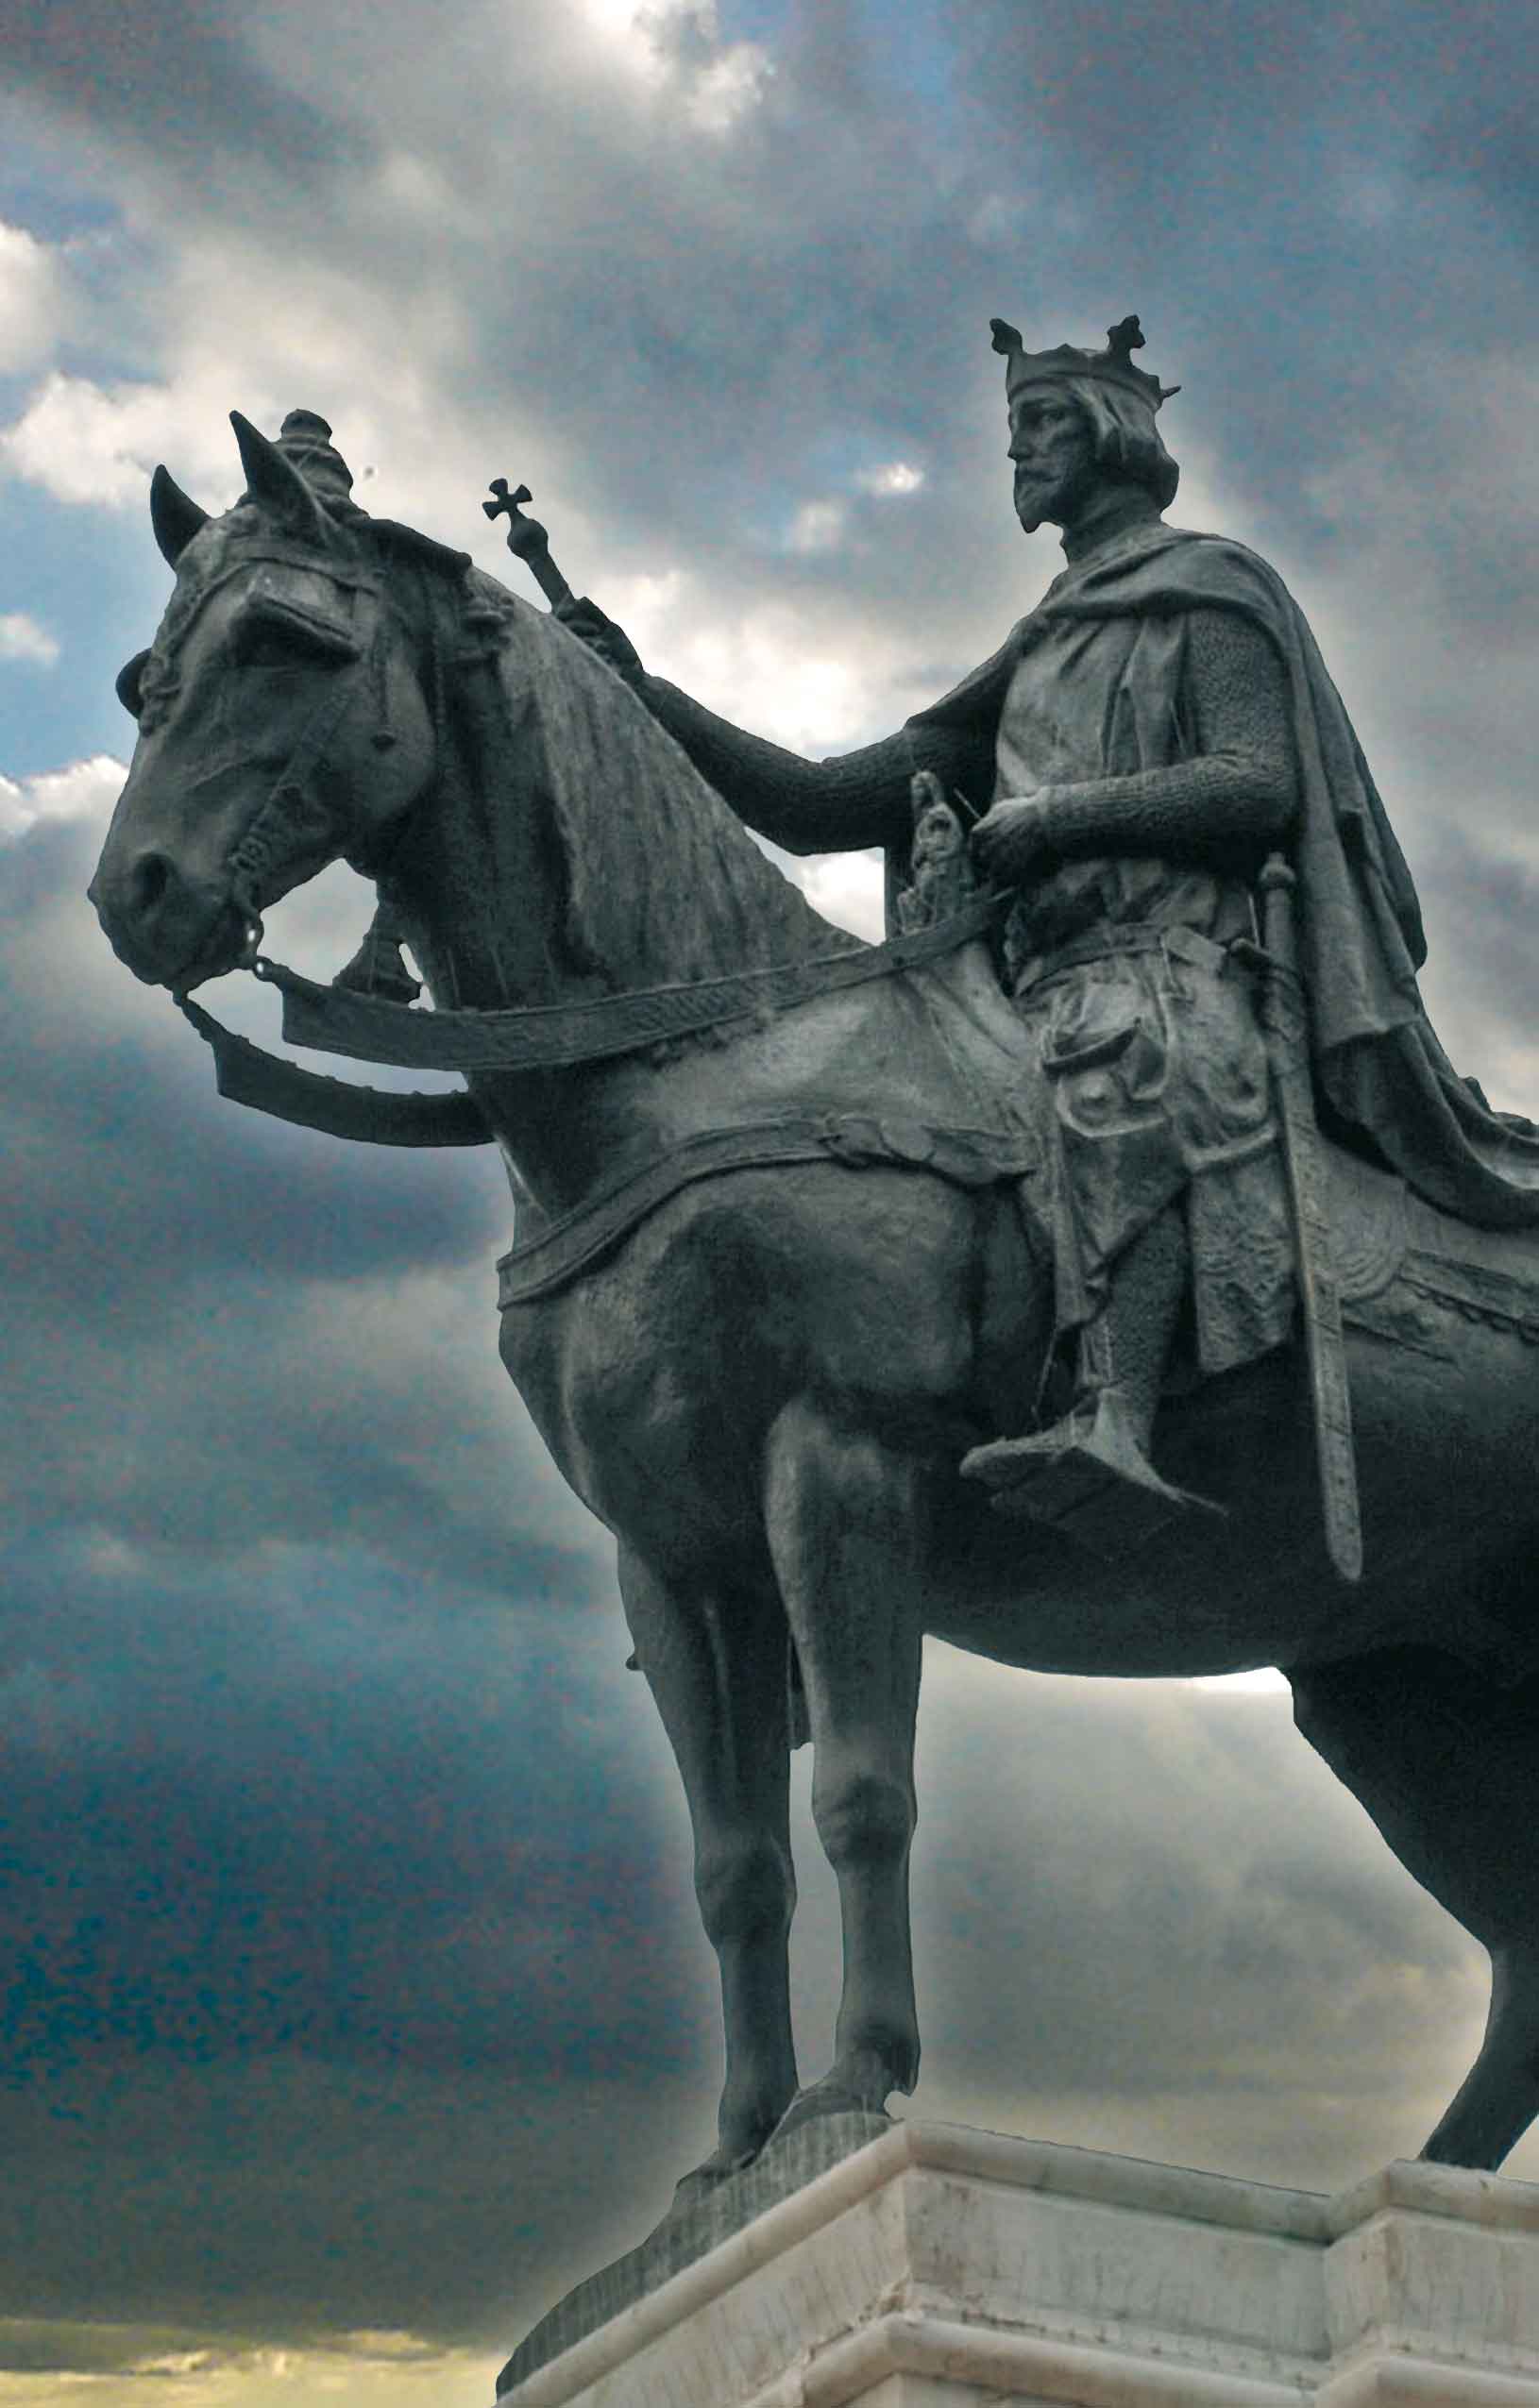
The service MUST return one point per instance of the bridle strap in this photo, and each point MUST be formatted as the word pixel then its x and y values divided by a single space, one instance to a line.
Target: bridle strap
pixel 292 820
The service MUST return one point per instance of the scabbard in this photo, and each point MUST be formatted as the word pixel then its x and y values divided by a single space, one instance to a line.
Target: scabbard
pixel 1286 1027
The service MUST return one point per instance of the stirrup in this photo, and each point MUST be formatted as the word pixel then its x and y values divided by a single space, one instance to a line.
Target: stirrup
pixel 1088 1475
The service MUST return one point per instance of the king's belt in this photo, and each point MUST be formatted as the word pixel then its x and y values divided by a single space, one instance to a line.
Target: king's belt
pixel 1140 937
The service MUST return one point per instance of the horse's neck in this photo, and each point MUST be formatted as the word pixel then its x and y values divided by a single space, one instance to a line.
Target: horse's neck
pixel 480 891
pixel 571 849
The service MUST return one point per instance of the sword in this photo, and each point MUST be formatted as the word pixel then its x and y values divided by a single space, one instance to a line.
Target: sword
pixel 1283 1018
pixel 528 539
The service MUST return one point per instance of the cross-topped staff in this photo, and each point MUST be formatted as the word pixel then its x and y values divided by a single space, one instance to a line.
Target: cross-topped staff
pixel 528 541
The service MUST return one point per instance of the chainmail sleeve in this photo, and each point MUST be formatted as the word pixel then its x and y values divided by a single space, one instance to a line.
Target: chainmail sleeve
pixel 843 805
pixel 1238 786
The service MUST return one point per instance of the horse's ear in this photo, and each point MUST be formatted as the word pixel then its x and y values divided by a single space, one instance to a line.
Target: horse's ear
pixel 276 485
pixel 174 515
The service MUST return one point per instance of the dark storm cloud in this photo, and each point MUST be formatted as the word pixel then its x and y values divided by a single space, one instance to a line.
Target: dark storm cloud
pixel 214 1189
pixel 194 1288
pixel 1484 977
pixel 383 1912
pixel 173 79
pixel 322 1803
pixel 330 1809
pixel 1307 205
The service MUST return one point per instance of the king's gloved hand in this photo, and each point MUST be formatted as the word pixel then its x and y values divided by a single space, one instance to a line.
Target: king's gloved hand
pixel 589 624
pixel 1011 837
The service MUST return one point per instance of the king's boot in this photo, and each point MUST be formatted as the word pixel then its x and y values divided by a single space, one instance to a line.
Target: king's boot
pixel 1090 1472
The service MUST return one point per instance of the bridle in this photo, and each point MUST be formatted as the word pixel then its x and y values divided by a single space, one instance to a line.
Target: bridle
pixel 292 819
pixel 292 816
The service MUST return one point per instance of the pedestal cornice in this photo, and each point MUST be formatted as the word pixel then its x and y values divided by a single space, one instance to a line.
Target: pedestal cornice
pixel 938 2266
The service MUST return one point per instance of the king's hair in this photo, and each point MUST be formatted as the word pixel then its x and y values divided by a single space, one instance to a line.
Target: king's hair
pixel 1126 440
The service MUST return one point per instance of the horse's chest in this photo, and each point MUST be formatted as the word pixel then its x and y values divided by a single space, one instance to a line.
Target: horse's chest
pixel 667 1366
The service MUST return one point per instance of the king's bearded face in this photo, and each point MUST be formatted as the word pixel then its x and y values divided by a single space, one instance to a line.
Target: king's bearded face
pixel 1053 452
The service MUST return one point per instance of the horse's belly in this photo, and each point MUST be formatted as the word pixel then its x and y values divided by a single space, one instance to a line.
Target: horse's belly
pixel 1445 1453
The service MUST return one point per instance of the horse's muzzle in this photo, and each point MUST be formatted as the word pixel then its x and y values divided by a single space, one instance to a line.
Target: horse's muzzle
pixel 169 930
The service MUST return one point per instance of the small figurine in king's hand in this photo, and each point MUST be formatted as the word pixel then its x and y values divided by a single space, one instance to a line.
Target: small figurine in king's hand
pixel 942 877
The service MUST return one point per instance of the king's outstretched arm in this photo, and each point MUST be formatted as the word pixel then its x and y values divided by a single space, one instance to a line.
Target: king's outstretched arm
pixel 854 800
pixel 844 804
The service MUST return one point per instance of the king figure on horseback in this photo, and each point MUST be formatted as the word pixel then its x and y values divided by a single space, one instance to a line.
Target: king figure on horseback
pixel 1158 726
pixel 711 1309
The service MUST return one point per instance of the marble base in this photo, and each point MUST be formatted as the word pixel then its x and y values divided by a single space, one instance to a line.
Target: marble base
pixel 935 2267
pixel 691 2232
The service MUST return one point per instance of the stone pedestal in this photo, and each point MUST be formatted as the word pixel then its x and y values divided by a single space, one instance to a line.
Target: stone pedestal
pixel 942 2268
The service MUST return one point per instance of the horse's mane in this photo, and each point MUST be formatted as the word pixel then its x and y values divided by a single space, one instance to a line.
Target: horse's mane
pixel 661 881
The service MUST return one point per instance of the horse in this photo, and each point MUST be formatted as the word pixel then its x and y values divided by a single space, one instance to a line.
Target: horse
pixel 777 1273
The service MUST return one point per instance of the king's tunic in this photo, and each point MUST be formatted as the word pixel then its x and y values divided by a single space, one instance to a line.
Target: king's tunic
pixel 1144 1021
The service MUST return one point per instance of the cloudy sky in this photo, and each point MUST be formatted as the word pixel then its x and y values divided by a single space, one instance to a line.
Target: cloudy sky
pixel 356 2004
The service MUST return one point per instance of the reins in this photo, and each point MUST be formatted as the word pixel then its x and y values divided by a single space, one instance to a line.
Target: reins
pixel 331 1020
pixel 548 1037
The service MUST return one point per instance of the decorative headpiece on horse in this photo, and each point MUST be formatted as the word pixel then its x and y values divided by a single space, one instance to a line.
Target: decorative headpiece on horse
pixel 305 439
pixel 304 445
pixel 1112 366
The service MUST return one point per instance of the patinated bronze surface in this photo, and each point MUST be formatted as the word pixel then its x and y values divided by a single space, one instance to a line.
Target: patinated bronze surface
pixel 783 1289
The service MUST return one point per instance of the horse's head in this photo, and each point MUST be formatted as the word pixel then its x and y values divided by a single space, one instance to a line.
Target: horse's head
pixel 282 721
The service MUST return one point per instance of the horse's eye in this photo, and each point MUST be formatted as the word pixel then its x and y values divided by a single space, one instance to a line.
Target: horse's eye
pixel 259 645
pixel 273 634
pixel 127 685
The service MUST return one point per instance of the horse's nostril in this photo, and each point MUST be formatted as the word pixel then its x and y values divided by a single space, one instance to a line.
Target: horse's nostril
pixel 149 882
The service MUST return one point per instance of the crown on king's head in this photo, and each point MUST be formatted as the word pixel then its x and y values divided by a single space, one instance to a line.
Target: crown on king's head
pixel 1114 365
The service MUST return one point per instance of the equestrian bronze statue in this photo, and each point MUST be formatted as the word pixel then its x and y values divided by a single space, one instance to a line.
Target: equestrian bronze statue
pixel 1108 1273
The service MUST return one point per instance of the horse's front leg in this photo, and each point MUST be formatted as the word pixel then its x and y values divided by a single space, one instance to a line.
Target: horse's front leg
pixel 715 1656
pixel 843 1514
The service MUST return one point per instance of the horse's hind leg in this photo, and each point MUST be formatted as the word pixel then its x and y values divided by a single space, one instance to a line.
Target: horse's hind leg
pixel 717 1664
pixel 842 1511
pixel 1446 1762
pixel 1498 2097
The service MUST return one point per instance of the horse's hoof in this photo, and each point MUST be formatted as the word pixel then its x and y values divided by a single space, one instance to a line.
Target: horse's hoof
pixel 827 2097
pixel 697 2186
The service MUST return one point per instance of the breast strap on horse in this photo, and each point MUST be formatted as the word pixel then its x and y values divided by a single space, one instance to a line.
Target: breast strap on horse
pixel 540 1265
pixel 331 1020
